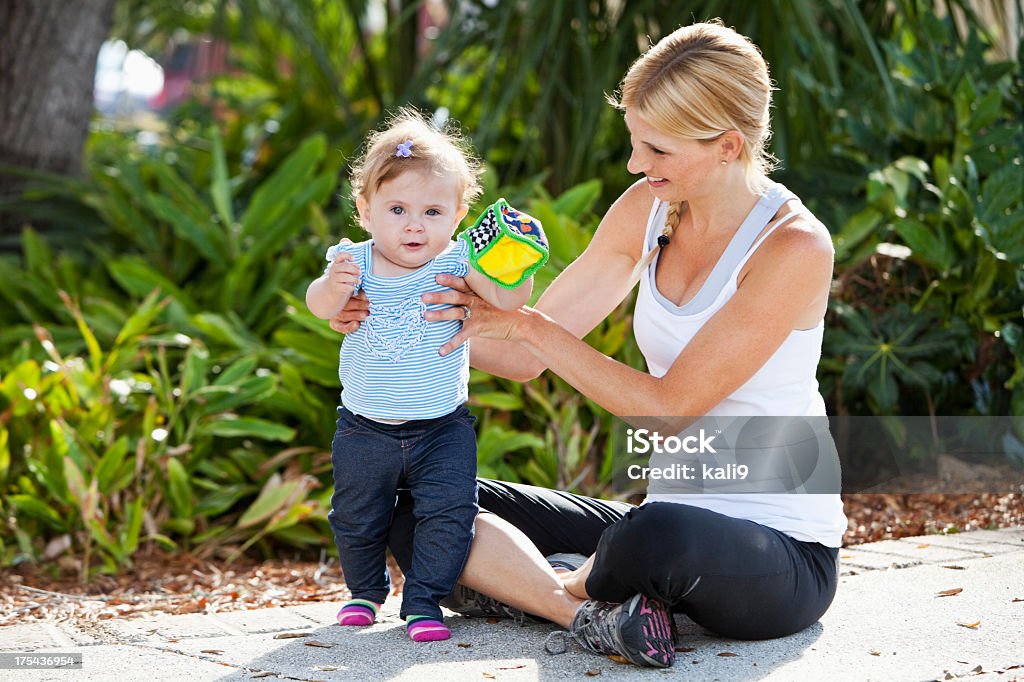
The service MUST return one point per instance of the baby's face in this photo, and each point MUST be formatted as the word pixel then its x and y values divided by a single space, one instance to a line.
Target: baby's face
pixel 412 217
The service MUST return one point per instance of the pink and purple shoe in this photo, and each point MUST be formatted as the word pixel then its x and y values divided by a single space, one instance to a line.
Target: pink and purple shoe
pixel 426 629
pixel 358 612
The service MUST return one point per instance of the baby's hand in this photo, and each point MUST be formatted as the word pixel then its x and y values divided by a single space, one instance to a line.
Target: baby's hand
pixel 344 274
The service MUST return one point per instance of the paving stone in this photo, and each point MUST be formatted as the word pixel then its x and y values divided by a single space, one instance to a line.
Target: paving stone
pixel 265 620
pixel 163 628
pixel 32 637
pixel 318 614
pixel 921 623
pixel 325 613
pixel 76 635
pixel 1009 536
pixel 970 543
pixel 916 551
pixel 870 561
pixel 122 663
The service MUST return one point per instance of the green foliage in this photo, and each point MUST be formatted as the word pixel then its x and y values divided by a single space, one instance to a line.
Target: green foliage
pixel 930 269
pixel 186 342
pixel 111 450
pixel 161 380
pixel 527 79
pixel 190 363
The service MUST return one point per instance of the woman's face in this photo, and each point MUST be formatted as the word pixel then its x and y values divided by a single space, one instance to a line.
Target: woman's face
pixel 676 169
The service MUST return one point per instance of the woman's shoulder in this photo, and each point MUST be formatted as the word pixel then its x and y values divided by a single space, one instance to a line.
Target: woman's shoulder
pixel 802 232
pixel 800 246
pixel 625 222
pixel 791 269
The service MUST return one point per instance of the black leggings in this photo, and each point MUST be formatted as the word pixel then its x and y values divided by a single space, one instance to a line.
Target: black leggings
pixel 737 578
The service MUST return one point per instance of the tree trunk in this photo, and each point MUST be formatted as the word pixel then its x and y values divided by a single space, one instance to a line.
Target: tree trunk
pixel 48 52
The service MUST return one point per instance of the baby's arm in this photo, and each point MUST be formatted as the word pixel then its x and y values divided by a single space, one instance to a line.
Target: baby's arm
pixel 490 291
pixel 329 293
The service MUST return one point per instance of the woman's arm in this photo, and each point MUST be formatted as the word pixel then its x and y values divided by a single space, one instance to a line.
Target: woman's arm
pixel 586 292
pixel 579 298
pixel 785 282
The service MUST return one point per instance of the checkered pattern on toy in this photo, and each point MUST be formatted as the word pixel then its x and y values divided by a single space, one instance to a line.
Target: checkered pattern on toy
pixel 484 233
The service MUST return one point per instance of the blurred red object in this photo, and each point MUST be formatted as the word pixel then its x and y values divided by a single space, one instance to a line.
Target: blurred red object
pixel 186 65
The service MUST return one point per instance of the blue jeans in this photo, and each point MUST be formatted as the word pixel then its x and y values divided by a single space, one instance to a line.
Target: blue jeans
pixel 436 460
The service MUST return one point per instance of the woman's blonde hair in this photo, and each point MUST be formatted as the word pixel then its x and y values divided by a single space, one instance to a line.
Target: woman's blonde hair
pixel 410 142
pixel 697 83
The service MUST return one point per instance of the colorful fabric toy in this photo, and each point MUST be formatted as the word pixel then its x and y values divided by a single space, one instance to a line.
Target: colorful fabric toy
pixel 506 245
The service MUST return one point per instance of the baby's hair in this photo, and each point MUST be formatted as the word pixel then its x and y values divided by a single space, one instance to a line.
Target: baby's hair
pixel 697 83
pixel 440 152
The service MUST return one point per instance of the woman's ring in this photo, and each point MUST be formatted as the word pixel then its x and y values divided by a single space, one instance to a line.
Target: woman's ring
pixel 467 313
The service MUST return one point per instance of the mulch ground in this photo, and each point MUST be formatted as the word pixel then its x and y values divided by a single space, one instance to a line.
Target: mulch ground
pixel 176 584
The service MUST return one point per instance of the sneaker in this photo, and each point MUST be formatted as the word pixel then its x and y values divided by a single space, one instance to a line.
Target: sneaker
pixel 565 562
pixel 468 602
pixel 426 629
pixel 640 629
pixel 358 612
pixel 462 600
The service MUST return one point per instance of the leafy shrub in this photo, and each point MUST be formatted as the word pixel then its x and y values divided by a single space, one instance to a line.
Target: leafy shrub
pixel 926 316
pixel 109 450
pixel 167 384
pixel 162 382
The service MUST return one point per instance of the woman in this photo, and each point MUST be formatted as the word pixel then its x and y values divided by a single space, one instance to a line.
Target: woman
pixel 734 281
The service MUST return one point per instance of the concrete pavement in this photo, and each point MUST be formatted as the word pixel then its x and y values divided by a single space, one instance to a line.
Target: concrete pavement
pixel 888 622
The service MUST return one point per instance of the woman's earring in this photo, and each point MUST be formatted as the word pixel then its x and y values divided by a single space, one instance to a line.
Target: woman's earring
pixel 723 162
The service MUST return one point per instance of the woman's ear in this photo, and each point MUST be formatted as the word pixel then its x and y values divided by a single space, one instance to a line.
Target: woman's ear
pixel 730 145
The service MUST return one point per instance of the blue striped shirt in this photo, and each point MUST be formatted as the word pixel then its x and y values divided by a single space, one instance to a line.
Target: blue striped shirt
pixel 389 368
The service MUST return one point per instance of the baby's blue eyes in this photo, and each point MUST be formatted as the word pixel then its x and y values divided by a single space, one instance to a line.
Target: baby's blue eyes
pixel 398 210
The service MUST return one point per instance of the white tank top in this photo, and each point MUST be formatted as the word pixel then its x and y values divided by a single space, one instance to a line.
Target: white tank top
pixel 784 386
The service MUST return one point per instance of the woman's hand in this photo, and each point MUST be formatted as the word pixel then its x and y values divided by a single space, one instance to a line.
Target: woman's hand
pixel 575 582
pixel 355 311
pixel 479 317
